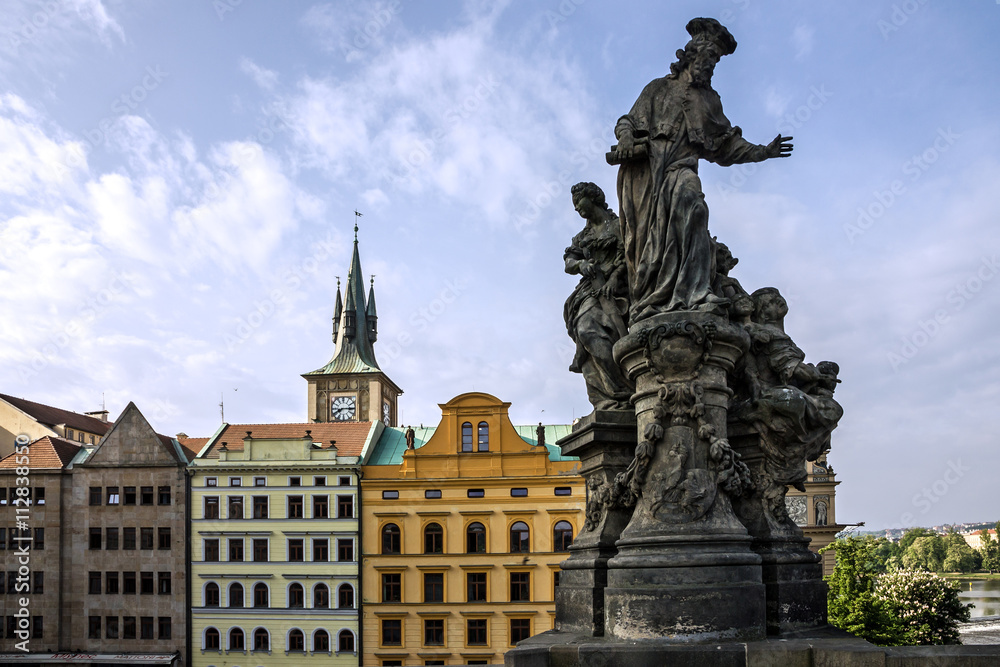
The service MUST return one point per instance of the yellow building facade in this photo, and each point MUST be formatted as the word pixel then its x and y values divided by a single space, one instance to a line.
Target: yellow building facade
pixel 815 510
pixel 274 545
pixel 464 528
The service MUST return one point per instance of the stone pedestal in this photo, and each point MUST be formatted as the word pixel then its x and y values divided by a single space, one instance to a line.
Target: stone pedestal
pixel 685 569
pixel 605 443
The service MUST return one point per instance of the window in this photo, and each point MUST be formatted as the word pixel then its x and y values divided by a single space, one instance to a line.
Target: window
pixel 164 495
pixel 38 585
pixel 345 507
pixel 128 539
pixel 519 493
pixel 146 498
pixel 296 596
pixel 113 499
pixel 484 437
pixel 475 584
pixel 476 493
pixel 433 587
pixel 211 507
pixel 235 507
pixel 321 597
pixel 260 481
pixel 93 583
pixel 163 539
pixel 520 586
pixel 520 541
pixel 235 481
pixel 212 641
pixel 562 536
pixel 564 491
pixel 475 632
pixel 211 481
pixel 95 499
pixel 433 632
pixel 96 538
pixel 260 595
pixel 260 550
pixel 296 552
pixel 294 481
pixel 211 550
pixel 261 641
pixel 467 437
pixel 296 641
pixel 212 597
pixel 390 495
pixel 475 538
pixel 321 507
pixel 146 583
pixel 145 627
pixel 321 550
pixel 110 539
pixel 146 538
pixel 111 583
pixel 236 640
pixel 236 550
pixel 260 507
pixel 344 480
pixel 236 596
pixel 111 627
pixel 345 550
pixel 345 641
pixel 321 641
pixel 520 629
pixel 392 587
pixel 128 583
pixel 319 481
pixel 433 539
pixel 345 597
pixel 163 578
pixel 391 539
pixel 40 497
pixel 129 497
pixel 3 495
pixel 165 627
pixel 69 434
pixel 295 507
pixel 93 627
pixel 432 494
pixel 128 627
pixel 392 632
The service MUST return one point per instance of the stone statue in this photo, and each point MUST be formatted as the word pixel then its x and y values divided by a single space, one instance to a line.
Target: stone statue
pixel 410 437
pixel 820 513
pixel 596 311
pixel 677 121
pixel 540 435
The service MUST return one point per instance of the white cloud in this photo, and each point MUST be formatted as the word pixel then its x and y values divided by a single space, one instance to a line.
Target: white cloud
pixel 265 78
pixel 803 39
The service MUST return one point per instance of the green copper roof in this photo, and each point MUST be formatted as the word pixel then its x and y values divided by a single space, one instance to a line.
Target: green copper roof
pixel 392 443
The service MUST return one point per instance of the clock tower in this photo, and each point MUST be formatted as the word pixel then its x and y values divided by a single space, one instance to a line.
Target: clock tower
pixel 351 386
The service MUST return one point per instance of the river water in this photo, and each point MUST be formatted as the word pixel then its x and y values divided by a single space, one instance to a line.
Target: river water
pixel 983 593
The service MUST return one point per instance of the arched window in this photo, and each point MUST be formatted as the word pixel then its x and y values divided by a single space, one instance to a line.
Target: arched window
pixel 321 641
pixel 296 596
pixel 345 642
pixel 212 639
pixel 236 595
pixel 562 536
pixel 260 595
pixel 345 597
pixel 212 595
pixel 475 538
pixel 391 539
pixel 467 437
pixel 484 437
pixel 520 538
pixel 296 641
pixel 236 640
pixel 261 641
pixel 321 597
pixel 433 539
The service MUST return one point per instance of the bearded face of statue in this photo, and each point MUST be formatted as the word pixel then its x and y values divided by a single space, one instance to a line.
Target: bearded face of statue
pixel 702 67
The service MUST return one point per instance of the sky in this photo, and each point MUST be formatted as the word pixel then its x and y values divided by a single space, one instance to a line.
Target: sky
pixel 178 181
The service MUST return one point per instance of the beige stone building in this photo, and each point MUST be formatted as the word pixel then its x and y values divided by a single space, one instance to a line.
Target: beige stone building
pixel 19 416
pixel 815 510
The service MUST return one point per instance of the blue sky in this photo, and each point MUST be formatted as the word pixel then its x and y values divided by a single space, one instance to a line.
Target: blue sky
pixel 178 181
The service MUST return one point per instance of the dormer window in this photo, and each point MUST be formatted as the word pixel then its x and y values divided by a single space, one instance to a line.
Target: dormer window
pixel 484 437
pixel 467 437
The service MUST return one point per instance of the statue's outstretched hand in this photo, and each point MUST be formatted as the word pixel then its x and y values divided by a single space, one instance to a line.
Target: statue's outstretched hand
pixel 779 147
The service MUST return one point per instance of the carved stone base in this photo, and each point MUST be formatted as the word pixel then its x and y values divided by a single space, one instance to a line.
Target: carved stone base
pixel 796 595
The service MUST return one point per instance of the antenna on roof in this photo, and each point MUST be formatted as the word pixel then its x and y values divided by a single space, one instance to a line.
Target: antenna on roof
pixel 104 405
pixel 222 407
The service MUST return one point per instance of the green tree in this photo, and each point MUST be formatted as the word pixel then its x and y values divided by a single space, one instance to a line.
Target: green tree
pixel 927 605
pixel 911 535
pixel 852 603
pixel 990 550
pixel 925 553
pixel 959 556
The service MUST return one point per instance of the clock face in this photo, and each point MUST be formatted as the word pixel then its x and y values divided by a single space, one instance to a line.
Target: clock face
pixel 385 413
pixel 343 408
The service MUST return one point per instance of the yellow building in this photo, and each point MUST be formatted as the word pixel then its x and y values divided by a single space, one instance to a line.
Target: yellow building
pixel 463 532
pixel 815 510
pixel 274 525
pixel 36 420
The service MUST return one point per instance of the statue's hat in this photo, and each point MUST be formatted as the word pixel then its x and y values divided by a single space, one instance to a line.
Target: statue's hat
pixel 712 30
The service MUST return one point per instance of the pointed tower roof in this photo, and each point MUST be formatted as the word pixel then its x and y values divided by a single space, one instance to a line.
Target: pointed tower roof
pixel 354 353
pixel 371 300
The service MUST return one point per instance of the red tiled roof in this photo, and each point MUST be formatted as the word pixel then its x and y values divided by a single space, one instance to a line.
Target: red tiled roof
pixel 50 416
pixel 45 453
pixel 192 446
pixel 349 436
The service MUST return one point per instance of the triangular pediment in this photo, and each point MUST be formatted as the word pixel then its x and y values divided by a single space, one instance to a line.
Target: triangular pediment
pixel 133 442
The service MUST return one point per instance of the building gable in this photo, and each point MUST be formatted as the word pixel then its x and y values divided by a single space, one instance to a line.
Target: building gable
pixel 133 442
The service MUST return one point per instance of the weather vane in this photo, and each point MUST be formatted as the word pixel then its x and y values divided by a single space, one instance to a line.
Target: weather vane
pixel 356 216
